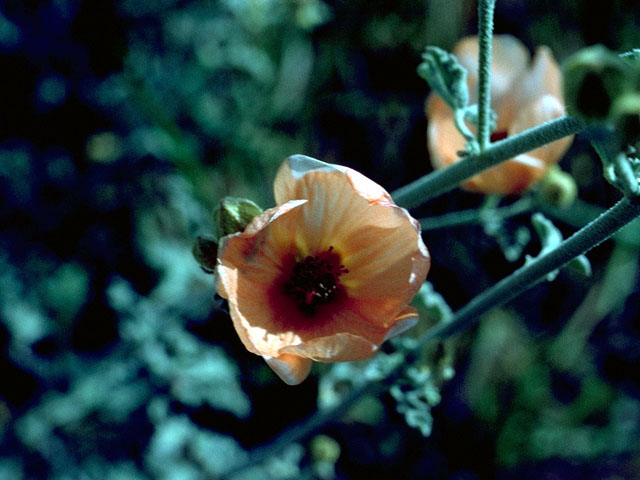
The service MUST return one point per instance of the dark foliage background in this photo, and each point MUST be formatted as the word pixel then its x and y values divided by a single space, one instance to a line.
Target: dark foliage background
pixel 123 123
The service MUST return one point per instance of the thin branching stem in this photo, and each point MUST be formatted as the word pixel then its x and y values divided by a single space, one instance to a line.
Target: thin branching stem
pixel 475 215
pixel 485 33
pixel 441 181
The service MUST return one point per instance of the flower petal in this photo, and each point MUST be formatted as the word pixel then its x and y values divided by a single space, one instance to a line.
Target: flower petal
pixel 339 347
pixel 444 141
pixel 292 170
pixel 542 110
pixel 291 181
pixel 542 78
pixel 525 97
pixel 435 106
pixel 366 188
pixel 387 262
pixel 291 369
pixel 509 178
pixel 509 59
pixel 406 319
pixel 338 200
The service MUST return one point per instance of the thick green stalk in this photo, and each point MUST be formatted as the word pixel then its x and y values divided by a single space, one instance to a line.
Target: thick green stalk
pixel 441 181
pixel 485 33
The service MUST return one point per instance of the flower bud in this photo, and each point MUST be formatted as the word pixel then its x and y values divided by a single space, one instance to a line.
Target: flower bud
pixel 593 79
pixel 558 188
pixel 205 251
pixel 232 215
pixel 626 117
pixel 324 449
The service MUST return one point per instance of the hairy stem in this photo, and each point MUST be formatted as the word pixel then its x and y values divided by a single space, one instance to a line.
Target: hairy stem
pixel 472 216
pixel 441 181
pixel 485 33
pixel 525 277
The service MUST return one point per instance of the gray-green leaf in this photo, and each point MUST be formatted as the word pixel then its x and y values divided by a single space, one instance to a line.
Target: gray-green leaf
pixel 446 76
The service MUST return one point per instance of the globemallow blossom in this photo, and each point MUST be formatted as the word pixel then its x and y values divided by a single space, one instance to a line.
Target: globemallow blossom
pixel 324 276
pixel 524 94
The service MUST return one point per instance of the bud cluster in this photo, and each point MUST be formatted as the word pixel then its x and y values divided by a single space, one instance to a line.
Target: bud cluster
pixel 230 216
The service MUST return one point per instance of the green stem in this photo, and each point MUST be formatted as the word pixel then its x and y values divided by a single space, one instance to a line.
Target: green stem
pixel 581 213
pixel 472 216
pixel 525 277
pixel 441 181
pixel 485 33
pixel 627 181
pixel 458 119
pixel 588 237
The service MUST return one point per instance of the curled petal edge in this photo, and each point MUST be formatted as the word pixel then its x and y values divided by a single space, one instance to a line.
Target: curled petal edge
pixel 339 347
pixel 295 167
pixel 347 347
pixel 291 369
pixel 407 319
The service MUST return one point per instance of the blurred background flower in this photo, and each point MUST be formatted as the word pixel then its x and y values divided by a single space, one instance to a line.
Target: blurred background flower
pixel 124 122
pixel 525 92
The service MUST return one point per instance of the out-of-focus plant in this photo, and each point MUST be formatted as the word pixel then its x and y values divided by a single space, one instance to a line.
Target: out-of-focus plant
pixel 237 70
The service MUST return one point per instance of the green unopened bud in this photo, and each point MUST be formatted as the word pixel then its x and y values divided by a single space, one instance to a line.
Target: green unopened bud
pixel 626 117
pixel 205 251
pixel 232 215
pixel 324 449
pixel 593 79
pixel 558 188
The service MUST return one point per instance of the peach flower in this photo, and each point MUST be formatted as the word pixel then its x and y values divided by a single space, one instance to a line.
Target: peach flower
pixel 523 94
pixel 324 276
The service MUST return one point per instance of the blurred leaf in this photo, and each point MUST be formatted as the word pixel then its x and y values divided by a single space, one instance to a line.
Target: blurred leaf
pixel 416 394
pixel 196 373
pixel 431 305
pixel 550 238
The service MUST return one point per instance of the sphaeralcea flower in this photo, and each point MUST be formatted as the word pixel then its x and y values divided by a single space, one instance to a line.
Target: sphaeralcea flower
pixel 524 93
pixel 327 274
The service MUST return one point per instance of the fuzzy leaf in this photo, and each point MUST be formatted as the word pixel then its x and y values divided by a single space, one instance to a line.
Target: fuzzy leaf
pixel 550 238
pixel 446 76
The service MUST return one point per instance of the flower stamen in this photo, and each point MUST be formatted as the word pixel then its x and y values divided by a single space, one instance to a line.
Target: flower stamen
pixel 315 280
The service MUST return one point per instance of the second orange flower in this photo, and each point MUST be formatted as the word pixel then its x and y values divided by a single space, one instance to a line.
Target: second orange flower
pixel 524 93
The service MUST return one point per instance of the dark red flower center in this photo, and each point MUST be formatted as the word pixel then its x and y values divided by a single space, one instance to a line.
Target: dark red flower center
pixel 315 280
pixel 496 136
